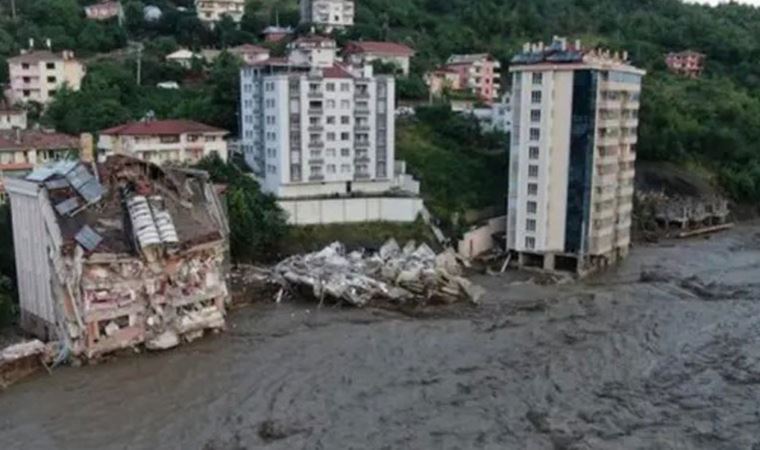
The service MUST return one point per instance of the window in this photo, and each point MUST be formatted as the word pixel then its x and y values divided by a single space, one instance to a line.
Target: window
pixel 25 66
pixel 345 136
pixel 530 225
pixel 331 136
pixel 345 120
pixel 331 120
pixel 535 115
pixel 51 79
pixel 535 97
pixel 345 152
pixel 331 104
pixel 345 168
pixel 330 152
pixel 532 207
pixel 345 104
pixel 314 87
pixel 533 171
pixel 535 134
pixel 538 78
pixel 533 152
pixel 530 243
pixel 169 139
pixel 532 189
pixel 51 92
pixel 330 87
pixel 270 103
pixel 331 168
pixel 345 87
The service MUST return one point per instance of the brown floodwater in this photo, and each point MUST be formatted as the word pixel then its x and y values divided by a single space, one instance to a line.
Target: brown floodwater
pixel 663 352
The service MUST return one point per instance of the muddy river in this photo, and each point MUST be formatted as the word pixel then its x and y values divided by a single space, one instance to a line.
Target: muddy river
pixel 662 353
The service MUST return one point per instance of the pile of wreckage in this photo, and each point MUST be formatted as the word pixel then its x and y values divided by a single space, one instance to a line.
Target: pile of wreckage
pixel 133 254
pixel 412 274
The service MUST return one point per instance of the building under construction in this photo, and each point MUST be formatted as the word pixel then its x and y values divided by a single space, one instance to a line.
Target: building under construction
pixel 118 254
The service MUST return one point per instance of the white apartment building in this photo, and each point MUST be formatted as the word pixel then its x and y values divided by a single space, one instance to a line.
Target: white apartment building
pixel 497 116
pixel 329 14
pixel 573 149
pixel 161 141
pixel 38 75
pixel 211 11
pixel 313 50
pixel 318 131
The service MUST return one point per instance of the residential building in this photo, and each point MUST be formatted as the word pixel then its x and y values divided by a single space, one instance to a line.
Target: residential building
pixel 313 50
pixel 310 131
pixel 688 63
pixel 211 11
pixel 573 149
pixel 328 14
pixel 38 74
pixel 495 117
pixel 478 75
pixel 183 57
pixel 250 53
pixel 276 33
pixel 161 141
pixel 443 80
pixel 22 150
pixel 105 10
pixel 119 254
pixel 11 117
pixel 366 52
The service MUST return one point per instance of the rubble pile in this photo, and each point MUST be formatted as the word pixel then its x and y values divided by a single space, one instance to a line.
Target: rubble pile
pixel 393 274
pixel 20 360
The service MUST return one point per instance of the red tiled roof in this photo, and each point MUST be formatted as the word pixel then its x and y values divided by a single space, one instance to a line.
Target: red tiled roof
pixel 313 39
pixel 36 56
pixel 15 166
pixel 162 127
pixel 336 71
pixel 35 139
pixel 380 48
pixel 248 48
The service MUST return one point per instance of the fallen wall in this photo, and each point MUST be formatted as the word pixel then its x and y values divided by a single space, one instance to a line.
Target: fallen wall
pixel 480 240
pixel 351 210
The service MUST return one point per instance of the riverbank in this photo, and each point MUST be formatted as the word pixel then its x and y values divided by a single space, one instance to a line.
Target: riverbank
pixel 661 351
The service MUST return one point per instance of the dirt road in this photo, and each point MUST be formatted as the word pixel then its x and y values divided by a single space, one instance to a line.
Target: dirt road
pixel 664 353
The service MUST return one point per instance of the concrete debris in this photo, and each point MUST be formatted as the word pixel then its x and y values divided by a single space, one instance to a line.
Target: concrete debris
pixel 412 274
pixel 21 360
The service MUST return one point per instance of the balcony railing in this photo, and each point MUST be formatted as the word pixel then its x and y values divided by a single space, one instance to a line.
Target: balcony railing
pixel 362 127
pixel 316 144
pixel 362 144
pixel 361 176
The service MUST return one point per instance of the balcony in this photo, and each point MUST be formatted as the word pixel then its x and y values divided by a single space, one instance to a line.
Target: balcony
pixel 315 94
pixel 317 177
pixel 361 176
pixel 362 144
pixel 606 140
pixel 362 159
pixel 316 144
pixel 315 111
pixel 316 128
pixel 362 110
pixel 625 191
pixel 316 161
pixel 609 179
pixel 361 95
pixel 361 127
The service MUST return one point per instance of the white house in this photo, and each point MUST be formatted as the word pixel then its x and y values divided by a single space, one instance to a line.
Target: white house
pixel 329 14
pixel 364 52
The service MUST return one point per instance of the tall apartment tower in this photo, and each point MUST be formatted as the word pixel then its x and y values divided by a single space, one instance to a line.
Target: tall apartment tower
pixel 572 155
pixel 310 131
pixel 329 14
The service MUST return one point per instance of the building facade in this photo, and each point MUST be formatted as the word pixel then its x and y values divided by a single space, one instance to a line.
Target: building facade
pixel 687 63
pixel 328 14
pixel 38 75
pixel 366 52
pixel 315 131
pixel 250 53
pixel 211 11
pixel 22 150
pixel 496 117
pixel 478 74
pixel 12 117
pixel 313 50
pixel 573 149
pixel 162 141
pixel 105 10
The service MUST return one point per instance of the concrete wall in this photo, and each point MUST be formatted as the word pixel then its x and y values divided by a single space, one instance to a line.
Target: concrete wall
pixel 351 210
pixel 480 240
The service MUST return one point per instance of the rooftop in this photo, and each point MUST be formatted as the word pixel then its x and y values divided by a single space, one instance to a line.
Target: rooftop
pixel 380 48
pixel 95 205
pixel 560 51
pixel 36 139
pixel 161 127
pixel 36 56
pixel 468 58
pixel 248 48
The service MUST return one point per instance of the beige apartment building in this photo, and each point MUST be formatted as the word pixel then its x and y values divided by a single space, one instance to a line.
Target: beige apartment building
pixel 328 14
pixel 163 141
pixel 38 75
pixel 573 149
pixel 211 11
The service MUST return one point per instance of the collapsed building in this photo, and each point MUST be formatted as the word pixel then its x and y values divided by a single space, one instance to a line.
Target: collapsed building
pixel 118 254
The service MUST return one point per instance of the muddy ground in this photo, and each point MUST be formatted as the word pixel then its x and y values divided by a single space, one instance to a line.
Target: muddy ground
pixel 663 353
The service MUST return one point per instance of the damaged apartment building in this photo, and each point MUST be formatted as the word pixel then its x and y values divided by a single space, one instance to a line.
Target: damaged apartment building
pixel 118 254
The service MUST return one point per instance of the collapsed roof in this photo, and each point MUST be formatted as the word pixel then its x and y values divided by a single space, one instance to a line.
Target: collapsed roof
pixel 127 206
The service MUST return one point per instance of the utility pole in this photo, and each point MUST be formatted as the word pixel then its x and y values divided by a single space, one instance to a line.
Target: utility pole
pixel 139 64
pixel 13 9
